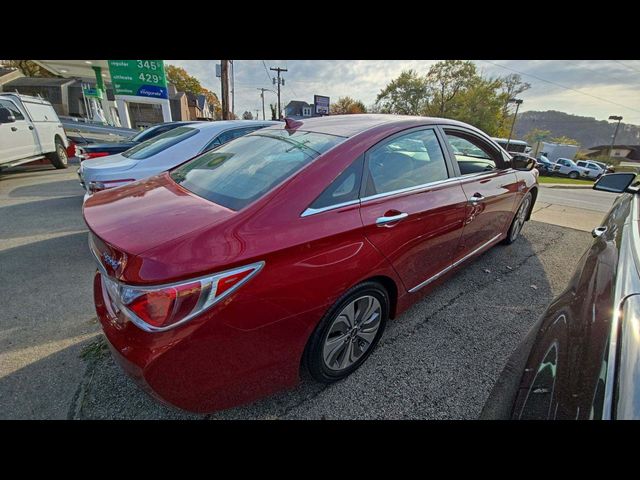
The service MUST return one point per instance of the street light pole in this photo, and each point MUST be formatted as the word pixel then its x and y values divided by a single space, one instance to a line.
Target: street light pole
pixel 615 133
pixel 518 102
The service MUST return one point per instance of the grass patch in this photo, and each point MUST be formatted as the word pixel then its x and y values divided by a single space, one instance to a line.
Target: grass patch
pixel 563 180
pixel 95 350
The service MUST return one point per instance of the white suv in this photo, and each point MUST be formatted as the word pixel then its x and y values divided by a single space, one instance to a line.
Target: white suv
pixel 565 166
pixel 30 129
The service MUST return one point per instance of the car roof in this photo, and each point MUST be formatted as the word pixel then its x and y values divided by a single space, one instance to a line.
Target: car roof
pixel 350 125
pixel 226 124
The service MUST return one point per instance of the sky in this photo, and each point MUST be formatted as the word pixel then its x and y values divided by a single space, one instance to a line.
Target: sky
pixel 592 88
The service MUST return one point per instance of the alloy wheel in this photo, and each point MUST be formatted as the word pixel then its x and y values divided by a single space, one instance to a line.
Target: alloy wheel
pixel 521 217
pixel 352 333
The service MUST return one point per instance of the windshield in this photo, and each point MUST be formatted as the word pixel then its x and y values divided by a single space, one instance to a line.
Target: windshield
pixel 157 144
pixel 246 168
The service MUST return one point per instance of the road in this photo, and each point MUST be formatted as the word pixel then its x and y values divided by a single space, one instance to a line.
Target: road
pixel 439 360
pixel 579 208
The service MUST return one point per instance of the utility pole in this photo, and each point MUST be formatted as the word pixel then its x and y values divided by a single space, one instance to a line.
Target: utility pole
pixel 615 134
pixel 280 82
pixel 257 114
pixel 224 80
pixel 233 88
pixel 262 90
pixel 518 102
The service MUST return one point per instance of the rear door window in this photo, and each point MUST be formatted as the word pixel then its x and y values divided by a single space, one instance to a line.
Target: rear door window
pixel 241 171
pixel 157 144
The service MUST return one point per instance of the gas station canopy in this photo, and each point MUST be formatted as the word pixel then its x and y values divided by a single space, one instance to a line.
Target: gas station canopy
pixel 75 68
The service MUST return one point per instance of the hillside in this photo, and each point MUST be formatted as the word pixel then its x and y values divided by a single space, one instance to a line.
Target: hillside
pixel 586 130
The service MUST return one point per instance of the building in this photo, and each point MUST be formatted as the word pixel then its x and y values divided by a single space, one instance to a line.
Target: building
pixel 8 74
pixel 628 152
pixel 199 107
pixel 299 109
pixel 179 104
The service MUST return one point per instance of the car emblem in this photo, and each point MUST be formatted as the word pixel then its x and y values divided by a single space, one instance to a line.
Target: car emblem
pixel 109 260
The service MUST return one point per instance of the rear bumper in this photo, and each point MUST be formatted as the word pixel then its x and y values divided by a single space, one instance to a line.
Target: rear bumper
pixel 207 365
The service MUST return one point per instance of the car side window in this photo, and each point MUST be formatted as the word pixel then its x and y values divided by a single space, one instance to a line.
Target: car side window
pixel 15 111
pixel 472 155
pixel 405 161
pixel 345 188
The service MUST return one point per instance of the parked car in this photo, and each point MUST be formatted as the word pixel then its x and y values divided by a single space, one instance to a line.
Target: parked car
pixel 608 168
pixel 29 130
pixel 161 153
pixel 580 360
pixel 293 244
pixel 544 166
pixel 565 166
pixel 95 150
pixel 594 170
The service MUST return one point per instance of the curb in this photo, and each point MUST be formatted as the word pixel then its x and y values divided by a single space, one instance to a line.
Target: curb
pixel 563 185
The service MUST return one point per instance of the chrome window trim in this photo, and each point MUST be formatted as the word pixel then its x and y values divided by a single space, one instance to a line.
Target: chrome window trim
pixel 454 264
pixel 312 211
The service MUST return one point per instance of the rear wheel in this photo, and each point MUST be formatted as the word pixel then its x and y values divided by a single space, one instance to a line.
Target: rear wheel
pixel 518 220
pixel 59 157
pixel 573 175
pixel 348 333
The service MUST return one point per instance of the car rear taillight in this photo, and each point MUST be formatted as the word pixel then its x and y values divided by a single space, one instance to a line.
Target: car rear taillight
pixel 87 155
pixel 156 309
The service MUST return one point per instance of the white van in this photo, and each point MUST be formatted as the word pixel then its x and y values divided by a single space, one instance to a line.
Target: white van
pixel 30 129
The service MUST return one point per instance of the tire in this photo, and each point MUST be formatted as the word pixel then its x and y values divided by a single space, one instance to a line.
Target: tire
pixel 573 175
pixel 332 351
pixel 59 158
pixel 518 220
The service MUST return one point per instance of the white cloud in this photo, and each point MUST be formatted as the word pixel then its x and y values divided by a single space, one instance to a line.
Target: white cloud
pixel 615 82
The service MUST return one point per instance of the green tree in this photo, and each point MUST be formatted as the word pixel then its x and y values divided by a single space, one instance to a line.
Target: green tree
pixel 446 81
pixel 405 95
pixel 535 136
pixel 566 140
pixel 347 105
pixel 247 115
pixel 274 111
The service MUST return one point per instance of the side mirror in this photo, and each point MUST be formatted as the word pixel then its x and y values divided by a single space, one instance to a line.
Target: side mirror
pixel 522 162
pixel 615 182
pixel 6 116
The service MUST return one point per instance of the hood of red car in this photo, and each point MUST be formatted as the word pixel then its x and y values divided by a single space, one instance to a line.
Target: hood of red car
pixel 148 213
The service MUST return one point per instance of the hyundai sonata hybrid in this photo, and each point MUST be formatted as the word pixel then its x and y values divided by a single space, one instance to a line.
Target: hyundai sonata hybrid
pixel 293 246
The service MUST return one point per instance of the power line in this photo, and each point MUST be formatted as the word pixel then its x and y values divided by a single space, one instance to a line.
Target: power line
pixel 628 66
pixel 562 86
pixel 267 70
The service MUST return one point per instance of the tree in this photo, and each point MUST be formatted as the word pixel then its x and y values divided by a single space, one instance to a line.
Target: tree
pixel 274 115
pixel 564 139
pixel 247 115
pixel 405 95
pixel 445 81
pixel 212 99
pixel 347 105
pixel 535 136
pixel 29 68
pixel 182 80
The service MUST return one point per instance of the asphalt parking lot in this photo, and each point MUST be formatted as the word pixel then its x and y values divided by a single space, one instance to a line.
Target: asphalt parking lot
pixel 437 361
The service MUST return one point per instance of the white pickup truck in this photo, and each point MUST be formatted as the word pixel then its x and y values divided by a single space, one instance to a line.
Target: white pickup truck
pixel 29 130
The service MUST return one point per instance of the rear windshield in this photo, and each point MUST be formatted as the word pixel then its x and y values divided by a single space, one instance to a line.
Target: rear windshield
pixel 161 142
pixel 241 171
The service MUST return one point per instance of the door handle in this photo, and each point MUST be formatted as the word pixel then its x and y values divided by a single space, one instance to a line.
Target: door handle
pixel 598 232
pixel 14 129
pixel 382 221
pixel 475 198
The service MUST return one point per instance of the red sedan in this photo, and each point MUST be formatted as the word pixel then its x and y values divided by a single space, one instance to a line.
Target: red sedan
pixel 291 246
